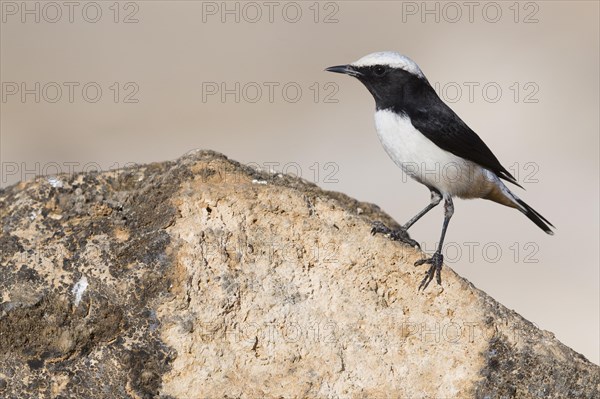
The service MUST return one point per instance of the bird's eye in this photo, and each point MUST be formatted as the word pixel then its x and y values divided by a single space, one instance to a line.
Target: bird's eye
pixel 379 70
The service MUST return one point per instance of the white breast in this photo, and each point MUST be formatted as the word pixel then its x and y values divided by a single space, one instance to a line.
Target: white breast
pixel 425 162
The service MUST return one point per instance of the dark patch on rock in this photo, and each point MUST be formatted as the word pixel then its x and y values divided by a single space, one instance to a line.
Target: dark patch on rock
pixel 9 245
pixel 43 332
pixel 530 372
pixel 27 274
pixel 206 173
pixel 52 329
pixel 146 370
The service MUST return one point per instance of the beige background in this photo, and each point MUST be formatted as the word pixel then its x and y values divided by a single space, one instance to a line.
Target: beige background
pixel 170 54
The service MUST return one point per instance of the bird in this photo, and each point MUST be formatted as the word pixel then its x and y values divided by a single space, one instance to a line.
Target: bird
pixel 432 145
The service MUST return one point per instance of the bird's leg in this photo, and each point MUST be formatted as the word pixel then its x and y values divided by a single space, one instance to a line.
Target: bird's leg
pixel 402 234
pixel 396 235
pixel 437 259
pixel 436 197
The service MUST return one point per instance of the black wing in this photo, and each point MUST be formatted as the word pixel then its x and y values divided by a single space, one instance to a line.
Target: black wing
pixel 446 130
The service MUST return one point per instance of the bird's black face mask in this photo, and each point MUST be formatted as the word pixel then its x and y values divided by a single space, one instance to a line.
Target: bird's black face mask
pixel 388 85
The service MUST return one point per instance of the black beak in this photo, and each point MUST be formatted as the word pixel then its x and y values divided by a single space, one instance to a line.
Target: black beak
pixel 345 69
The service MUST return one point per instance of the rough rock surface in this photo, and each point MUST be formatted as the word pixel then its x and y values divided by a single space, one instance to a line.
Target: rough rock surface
pixel 203 278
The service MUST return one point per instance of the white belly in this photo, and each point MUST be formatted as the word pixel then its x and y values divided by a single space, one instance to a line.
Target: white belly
pixel 427 163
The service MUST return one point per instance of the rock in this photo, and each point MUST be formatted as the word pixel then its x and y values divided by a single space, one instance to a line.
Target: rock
pixel 203 278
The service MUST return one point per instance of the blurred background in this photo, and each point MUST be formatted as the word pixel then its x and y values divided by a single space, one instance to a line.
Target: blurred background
pixel 101 85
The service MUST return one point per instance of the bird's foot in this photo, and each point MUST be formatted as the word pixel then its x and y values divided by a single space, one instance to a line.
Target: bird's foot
pixel 396 235
pixel 435 270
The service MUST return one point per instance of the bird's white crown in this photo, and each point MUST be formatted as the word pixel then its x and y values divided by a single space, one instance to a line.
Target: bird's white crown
pixel 392 59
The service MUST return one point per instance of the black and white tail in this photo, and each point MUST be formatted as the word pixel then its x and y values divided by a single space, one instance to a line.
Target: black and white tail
pixel 534 216
pixel 501 194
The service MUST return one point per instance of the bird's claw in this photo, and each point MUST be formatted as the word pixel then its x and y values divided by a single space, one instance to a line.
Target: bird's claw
pixel 435 270
pixel 400 234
